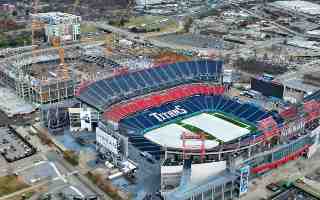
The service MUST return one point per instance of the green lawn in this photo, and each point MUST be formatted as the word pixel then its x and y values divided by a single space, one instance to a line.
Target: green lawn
pixel 11 184
pixel 152 21
pixel 88 28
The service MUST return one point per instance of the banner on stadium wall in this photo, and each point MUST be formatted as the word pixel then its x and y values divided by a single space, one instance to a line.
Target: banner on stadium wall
pixel 244 180
pixel 106 140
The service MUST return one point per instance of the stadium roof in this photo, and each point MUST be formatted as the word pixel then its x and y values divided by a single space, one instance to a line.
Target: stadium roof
pixel 188 190
pixel 299 85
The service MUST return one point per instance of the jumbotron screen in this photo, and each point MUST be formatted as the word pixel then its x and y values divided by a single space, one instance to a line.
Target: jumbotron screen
pixel 267 88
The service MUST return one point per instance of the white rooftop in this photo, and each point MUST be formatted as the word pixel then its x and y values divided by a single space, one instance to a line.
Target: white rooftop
pixel 12 105
pixel 300 6
pixel 55 17
pixel 219 128
pixel 170 136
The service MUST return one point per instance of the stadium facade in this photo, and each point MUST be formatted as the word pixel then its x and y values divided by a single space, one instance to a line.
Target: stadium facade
pixel 151 110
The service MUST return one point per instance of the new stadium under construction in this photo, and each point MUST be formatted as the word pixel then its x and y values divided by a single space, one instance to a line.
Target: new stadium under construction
pixel 208 144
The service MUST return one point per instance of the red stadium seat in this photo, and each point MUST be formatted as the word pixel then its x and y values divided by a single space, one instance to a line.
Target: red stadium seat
pixel 118 112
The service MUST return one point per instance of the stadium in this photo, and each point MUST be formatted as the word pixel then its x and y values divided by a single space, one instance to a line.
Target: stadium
pixel 182 117
pixel 199 108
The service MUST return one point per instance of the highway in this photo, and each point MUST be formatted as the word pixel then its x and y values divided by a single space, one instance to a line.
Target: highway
pixel 294 33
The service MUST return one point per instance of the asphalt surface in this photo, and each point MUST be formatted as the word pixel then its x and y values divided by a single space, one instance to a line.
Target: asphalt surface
pixel 147 175
pixel 81 182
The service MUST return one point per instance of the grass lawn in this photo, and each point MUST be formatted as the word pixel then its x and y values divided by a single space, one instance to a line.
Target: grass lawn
pixel 87 28
pixel 148 20
pixel 10 184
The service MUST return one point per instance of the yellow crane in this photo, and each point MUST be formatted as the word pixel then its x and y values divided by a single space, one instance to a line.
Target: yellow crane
pixel 63 70
pixel 75 5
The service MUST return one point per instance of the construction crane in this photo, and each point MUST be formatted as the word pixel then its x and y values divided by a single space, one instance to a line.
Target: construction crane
pixel 34 23
pixel 130 7
pixel 62 70
pixel 75 5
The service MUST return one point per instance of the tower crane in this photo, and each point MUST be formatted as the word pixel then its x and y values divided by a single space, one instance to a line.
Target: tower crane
pixel 75 5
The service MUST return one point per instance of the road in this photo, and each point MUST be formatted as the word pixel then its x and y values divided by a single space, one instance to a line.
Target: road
pixel 31 188
pixel 147 176
pixel 295 33
pixel 52 156
pixel 140 38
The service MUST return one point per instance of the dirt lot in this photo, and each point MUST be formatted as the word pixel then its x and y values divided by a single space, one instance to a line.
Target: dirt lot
pixel 88 9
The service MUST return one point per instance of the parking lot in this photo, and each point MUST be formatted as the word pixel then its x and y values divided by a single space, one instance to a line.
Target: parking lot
pixel 13 147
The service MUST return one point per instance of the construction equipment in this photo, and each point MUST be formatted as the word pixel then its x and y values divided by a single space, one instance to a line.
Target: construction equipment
pixel 62 70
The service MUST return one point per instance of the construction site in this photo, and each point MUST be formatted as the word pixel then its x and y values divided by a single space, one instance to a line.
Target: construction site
pixel 49 75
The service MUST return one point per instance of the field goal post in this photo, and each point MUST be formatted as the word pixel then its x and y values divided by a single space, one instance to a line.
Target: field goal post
pixel 187 149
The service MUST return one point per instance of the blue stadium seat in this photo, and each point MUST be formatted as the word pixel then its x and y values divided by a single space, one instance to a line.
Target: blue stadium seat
pixel 131 82
pixel 162 74
pixel 141 121
pixel 129 85
pixel 122 84
pixel 139 79
pixel 232 107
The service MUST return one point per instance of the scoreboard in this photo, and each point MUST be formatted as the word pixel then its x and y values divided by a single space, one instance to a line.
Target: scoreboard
pixel 267 88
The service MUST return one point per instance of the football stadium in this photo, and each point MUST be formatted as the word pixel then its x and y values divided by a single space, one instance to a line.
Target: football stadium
pixel 207 143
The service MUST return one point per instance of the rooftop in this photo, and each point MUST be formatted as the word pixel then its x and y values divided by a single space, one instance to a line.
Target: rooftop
pixel 55 17
pixel 299 85
pixel 299 6
pixel 190 189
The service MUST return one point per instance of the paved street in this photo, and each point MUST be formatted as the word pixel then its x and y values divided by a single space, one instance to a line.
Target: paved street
pixel 148 175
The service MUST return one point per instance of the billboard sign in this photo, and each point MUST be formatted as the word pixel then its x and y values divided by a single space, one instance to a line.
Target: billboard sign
pixel 267 88
pixel 107 141
pixel 85 119
pixel 244 180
